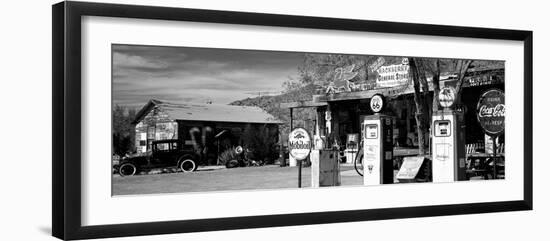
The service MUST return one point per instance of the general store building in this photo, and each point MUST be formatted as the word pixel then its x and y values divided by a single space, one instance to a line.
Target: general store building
pixel 340 104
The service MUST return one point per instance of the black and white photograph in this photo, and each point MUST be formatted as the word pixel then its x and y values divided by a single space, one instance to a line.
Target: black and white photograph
pixel 190 119
pixel 275 120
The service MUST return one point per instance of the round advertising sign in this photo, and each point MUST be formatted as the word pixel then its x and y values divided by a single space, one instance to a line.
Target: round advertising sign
pixel 299 144
pixel 447 96
pixel 491 111
pixel 377 103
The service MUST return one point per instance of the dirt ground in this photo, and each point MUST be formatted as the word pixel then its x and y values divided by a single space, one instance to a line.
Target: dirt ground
pixel 215 179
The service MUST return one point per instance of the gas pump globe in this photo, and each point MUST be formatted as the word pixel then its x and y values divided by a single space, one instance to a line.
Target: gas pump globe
pixel 448 140
pixel 377 138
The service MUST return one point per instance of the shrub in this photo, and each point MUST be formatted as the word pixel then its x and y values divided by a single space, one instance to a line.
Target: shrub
pixel 227 156
pixel 261 141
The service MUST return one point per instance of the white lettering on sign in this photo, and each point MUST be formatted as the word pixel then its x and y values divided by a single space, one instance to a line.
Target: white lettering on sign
pixel 379 62
pixel 496 111
pixel 299 143
pixel 491 111
pixel 393 75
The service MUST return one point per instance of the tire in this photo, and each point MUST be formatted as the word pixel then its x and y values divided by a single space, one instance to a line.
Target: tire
pixel 127 169
pixel 186 164
pixel 232 163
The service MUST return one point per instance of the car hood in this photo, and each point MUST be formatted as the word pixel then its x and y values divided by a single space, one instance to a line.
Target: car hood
pixel 134 155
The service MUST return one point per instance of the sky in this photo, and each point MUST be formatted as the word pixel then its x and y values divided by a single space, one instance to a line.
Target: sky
pixel 196 75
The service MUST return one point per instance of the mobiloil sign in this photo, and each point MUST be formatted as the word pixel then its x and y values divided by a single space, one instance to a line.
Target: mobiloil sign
pixel 299 144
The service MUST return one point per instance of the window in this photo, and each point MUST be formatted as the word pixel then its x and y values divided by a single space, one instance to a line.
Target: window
pixel 442 128
pixel 371 131
pixel 162 146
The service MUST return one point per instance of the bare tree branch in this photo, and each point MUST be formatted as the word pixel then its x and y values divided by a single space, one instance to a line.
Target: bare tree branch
pixel 464 66
pixel 436 73
pixel 418 100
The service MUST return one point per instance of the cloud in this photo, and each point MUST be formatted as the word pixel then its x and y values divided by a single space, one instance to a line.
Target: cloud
pixel 196 74
pixel 128 61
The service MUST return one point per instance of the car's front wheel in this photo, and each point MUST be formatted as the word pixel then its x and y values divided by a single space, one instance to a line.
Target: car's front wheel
pixel 127 169
pixel 187 165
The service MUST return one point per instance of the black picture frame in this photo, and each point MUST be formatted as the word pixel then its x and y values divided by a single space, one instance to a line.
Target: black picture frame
pixel 66 127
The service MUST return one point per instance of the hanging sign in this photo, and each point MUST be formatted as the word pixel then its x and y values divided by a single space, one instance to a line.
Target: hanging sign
pixel 393 75
pixel 299 143
pixel 447 97
pixel 491 112
pixel 328 115
pixel 377 64
pixel 377 103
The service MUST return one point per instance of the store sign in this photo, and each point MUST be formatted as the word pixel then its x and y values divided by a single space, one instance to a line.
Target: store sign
pixel 377 64
pixel 491 111
pixel 377 103
pixel 381 77
pixel 299 144
pixel 481 80
pixel 393 75
pixel 447 97
pixel 343 79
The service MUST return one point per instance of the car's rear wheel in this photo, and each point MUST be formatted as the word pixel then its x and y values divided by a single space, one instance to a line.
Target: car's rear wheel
pixel 187 165
pixel 127 169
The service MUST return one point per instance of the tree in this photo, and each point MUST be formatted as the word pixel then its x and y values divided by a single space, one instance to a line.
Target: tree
pixel 420 103
pixel 419 69
pixel 123 130
pixel 262 141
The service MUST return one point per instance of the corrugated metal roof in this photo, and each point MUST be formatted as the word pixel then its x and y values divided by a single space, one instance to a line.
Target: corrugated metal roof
pixel 216 112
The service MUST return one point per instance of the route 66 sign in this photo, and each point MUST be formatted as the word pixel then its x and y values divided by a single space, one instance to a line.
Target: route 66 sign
pixel 377 103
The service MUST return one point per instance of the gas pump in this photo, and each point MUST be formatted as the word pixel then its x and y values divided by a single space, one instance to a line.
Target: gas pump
pixel 377 138
pixel 352 144
pixel 448 141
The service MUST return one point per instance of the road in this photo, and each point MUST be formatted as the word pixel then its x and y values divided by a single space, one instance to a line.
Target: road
pixel 215 179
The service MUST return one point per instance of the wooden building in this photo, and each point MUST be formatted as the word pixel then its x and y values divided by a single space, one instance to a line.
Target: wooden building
pixel 210 127
pixel 345 103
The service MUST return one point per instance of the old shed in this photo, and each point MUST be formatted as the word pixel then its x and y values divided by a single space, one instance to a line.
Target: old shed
pixel 211 128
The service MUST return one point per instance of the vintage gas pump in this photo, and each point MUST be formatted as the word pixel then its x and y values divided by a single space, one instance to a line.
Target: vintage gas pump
pixel 377 136
pixel 448 140
pixel 352 144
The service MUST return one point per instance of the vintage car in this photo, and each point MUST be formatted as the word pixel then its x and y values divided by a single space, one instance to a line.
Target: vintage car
pixel 164 154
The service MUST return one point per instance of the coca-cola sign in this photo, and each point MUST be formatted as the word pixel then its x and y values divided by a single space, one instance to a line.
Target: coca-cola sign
pixel 491 111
